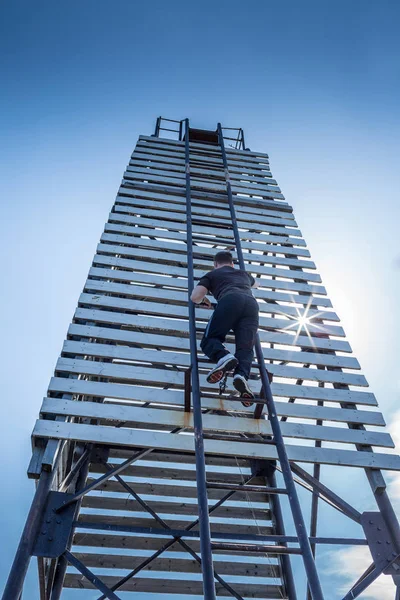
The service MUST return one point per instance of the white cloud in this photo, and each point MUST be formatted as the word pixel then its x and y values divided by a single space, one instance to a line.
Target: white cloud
pixel 349 564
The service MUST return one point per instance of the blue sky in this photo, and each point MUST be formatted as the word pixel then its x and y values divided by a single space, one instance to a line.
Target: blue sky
pixel 314 84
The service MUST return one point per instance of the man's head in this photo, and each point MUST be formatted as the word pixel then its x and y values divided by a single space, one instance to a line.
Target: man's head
pixel 223 259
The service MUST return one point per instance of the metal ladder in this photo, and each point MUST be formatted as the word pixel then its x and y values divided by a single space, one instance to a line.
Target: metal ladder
pixel 205 534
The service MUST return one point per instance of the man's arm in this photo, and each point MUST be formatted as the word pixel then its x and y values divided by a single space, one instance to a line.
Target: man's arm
pixel 254 283
pixel 198 294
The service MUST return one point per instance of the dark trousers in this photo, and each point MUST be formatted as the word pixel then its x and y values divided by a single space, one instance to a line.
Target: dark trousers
pixel 239 313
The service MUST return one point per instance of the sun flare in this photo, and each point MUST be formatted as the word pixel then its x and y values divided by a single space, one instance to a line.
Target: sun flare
pixel 303 320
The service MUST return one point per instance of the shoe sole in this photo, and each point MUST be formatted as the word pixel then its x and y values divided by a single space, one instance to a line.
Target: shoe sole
pixel 217 375
pixel 241 387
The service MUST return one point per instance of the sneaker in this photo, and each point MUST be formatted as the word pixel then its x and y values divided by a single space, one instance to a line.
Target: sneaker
pixel 226 363
pixel 240 384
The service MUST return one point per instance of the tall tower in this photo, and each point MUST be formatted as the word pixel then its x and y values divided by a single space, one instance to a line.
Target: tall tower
pixel 151 481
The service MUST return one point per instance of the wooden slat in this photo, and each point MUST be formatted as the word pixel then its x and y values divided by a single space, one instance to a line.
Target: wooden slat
pixel 181 284
pixel 138 543
pixel 177 217
pixel 171 258
pixel 168 153
pixel 177 223
pixel 144 340
pixel 178 166
pixel 134 236
pixel 143 520
pixel 176 489
pixel 160 377
pixel 163 294
pixel 219 464
pixel 217 232
pixel 172 310
pixel 149 439
pixel 175 145
pixel 172 506
pixel 176 398
pixel 182 587
pixel 204 176
pixel 144 158
pixel 199 209
pixel 183 565
pixel 174 327
pixel 204 185
pixel 177 162
pixel 150 416
pixel 153 267
pixel 196 172
pixel 180 327
pixel 134 542
pixel 162 357
pixel 150 140
pixel 164 471
pixel 169 342
pixel 220 217
pixel 240 199
pixel 243 204
pixel 196 159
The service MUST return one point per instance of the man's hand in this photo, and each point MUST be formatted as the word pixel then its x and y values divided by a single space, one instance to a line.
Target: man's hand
pixel 206 302
pixel 198 294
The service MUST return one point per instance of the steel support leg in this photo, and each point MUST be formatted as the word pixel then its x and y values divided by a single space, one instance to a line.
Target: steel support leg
pixel 22 558
pixel 387 512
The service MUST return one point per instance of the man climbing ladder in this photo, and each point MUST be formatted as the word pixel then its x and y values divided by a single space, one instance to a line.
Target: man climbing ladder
pixel 237 310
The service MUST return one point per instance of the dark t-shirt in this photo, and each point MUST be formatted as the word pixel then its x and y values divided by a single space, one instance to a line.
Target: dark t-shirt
pixel 227 280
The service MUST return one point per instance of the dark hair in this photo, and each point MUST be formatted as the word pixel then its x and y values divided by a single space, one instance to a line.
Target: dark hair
pixel 223 258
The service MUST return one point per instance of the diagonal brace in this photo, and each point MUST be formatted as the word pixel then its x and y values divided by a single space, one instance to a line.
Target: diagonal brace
pixel 113 471
pixel 90 576
pixel 335 500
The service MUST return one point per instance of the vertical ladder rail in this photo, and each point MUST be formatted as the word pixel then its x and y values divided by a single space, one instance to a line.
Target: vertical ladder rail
pixel 286 564
pixel 204 521
pixel 308 559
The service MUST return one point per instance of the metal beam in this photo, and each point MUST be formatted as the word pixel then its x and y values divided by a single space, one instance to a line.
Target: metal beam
pixel 96 581
pixel 335 500
pixel 285 561
pixel 236 547
pixel 95 484
pixel 16 578
pixel 246 488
